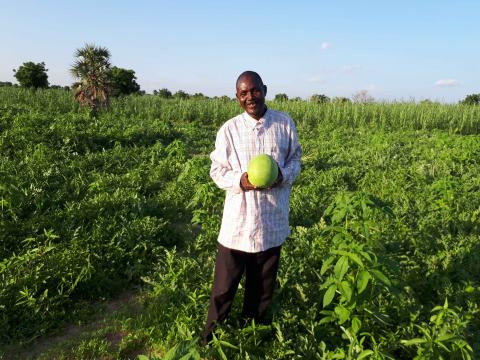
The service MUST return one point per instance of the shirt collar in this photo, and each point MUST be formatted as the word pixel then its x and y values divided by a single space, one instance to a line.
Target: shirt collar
pixel 251 123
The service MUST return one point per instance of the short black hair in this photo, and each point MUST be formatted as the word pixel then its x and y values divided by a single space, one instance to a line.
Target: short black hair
pixel 249 73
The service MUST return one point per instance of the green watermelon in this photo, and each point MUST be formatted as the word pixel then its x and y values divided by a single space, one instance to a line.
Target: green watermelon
pixel 262 171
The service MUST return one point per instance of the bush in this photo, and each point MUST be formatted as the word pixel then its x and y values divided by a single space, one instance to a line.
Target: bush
pixel 32 75
pixel 473 99
pixel 281 97
pixel 319 99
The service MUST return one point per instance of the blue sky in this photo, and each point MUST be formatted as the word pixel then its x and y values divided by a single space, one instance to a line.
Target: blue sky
pixel 395 50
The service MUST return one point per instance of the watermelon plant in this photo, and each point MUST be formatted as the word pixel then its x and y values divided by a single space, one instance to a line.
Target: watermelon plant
pixel 384 215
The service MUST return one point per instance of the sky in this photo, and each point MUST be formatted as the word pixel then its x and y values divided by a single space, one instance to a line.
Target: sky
pixel 396 50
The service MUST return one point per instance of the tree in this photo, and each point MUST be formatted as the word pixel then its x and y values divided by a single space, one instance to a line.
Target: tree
pixel 472 99
pixel 428 102
pixel 66 88
pixel 341 100
pixel 199 96
pixel 163 93
pixel 32 75
pixel 5 83
pixel 362 97
pixel 319 98
pixel 281 97
pixel 92 67
pixel 122 82
pixel 180 94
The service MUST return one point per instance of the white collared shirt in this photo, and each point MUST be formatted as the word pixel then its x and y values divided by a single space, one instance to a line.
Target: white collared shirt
pixel 255 220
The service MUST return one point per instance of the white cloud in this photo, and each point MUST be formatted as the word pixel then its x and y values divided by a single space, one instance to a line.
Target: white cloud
pixel 326 45
pixel 316 79
pixel 446 82
pixel 350 68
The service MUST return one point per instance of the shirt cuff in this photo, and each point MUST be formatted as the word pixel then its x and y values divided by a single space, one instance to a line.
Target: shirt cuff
pixel 237 188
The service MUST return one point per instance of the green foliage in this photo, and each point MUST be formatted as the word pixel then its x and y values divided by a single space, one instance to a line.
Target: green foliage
pixel 180 94
pixel 281 97
pixel 5 83
pixel 92 68
pixel 472 99
pixel 442 337
pixel 163 93
pixel 319 99
pixel 385 226
pixel 199 96
pixel 122 82
pixel 341 100
pixel 32 75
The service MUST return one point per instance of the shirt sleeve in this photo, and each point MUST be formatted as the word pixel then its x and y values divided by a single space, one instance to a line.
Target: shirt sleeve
pixel 221 170
pixel 291 168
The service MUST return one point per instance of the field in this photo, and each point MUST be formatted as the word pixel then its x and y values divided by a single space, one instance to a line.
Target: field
pixel 383 260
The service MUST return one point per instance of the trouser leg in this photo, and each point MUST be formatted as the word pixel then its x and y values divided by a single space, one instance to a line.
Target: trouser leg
pixel 261 274
pixel 229 268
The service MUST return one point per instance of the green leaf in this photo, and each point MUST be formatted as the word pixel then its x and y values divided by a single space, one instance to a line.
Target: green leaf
pixel 415 341
pixel 326 265
pixel 341 268
pixel 356 325
pixel 384 319
pixel 354 257
pixel 445 305
pixel 439 319
pixel 345 290
pixel 380 276
pixel 364 354
pixel 326 320
pixel 342 313
pixel 362 280
pixel 227 344
pixel 142 357
pixel 329 294
pixel 446 337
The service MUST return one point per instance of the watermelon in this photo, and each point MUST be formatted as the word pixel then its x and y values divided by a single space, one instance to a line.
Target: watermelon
pixel 262 171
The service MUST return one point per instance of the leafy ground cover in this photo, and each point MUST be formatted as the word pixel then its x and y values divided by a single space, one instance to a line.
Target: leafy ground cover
pixel 382 261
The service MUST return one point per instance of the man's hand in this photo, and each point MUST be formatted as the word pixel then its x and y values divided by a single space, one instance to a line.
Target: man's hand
pixel 245 184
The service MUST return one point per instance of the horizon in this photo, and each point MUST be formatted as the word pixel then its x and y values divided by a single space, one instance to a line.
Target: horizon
pixel 397 52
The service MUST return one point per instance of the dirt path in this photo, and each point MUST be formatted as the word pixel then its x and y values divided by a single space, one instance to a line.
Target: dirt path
pixel 128 300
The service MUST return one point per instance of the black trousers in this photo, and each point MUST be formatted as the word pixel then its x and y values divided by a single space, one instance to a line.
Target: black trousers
pixel 261 272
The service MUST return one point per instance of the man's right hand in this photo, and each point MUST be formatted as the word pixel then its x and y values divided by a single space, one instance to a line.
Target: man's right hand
pixel 245 184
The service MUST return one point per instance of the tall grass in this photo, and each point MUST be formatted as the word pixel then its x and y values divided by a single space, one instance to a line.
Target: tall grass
pixel 460 119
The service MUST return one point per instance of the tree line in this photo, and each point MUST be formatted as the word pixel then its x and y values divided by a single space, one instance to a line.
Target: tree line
pixel 98 81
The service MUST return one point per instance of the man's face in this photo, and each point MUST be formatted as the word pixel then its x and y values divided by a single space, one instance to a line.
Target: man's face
pixel 251 96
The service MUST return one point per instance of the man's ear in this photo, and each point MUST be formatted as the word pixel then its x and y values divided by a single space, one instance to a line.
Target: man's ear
pixel 265 89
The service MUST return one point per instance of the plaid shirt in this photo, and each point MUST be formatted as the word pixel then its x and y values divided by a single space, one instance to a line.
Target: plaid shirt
pixel 255 220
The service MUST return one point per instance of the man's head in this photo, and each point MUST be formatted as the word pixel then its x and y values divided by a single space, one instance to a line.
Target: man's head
pixel 251 94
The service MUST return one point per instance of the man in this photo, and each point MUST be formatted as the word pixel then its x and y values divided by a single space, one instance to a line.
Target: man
pixel 255 221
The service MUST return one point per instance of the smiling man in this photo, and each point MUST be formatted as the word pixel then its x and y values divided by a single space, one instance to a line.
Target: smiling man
pixel 255 221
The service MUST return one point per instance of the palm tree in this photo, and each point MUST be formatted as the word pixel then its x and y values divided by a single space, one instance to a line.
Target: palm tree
pixel 91 67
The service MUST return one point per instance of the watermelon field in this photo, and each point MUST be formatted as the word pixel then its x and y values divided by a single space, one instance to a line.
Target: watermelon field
pixel 383 261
